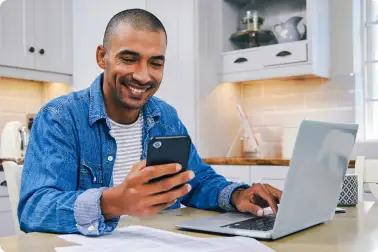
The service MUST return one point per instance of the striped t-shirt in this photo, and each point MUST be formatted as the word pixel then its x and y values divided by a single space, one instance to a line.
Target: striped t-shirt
pixel 129 147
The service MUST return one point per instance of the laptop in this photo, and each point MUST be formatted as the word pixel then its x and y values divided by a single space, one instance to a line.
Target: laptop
pixel 312 186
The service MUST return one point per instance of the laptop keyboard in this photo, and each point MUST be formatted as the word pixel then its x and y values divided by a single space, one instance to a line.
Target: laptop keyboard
pixel 265 223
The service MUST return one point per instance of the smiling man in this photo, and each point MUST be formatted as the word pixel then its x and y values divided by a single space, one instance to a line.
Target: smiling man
pixel 85 165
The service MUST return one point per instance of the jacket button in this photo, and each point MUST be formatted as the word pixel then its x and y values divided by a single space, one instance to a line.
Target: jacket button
pixel 110 158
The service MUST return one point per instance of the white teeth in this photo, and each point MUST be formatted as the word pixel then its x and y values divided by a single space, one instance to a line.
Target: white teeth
pixel 137 90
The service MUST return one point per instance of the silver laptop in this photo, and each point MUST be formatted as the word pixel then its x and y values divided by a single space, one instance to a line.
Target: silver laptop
pixel 311 190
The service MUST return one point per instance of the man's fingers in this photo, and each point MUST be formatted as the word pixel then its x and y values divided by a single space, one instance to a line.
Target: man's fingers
pixel 156 171
pixel 259 190
pixel 166 197
pixel 167 184
pixel 138 166
pixel 252 208
pixel 274 191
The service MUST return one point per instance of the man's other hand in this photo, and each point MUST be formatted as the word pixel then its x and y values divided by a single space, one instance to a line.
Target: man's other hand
pixel 137 196
pixel 255 198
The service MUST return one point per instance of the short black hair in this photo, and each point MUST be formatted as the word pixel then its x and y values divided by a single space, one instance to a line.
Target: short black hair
pixel 138 18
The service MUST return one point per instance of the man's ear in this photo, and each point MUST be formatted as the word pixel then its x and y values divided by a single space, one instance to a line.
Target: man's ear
pixel 100 56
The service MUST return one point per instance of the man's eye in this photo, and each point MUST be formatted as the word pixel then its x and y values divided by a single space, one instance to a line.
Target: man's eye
pixel 129 60
pixel 157 64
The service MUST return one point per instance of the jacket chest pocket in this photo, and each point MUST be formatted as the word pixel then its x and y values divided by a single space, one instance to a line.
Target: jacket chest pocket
pixel 90 175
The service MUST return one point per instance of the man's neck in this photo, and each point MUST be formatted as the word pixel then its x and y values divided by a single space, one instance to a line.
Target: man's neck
pixel 123 117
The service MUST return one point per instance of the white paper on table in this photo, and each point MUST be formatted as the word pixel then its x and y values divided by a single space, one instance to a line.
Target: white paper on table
pixel 145 239
pixel 1 250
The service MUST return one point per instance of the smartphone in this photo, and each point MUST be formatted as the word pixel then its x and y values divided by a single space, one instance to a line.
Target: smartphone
pixel 168 149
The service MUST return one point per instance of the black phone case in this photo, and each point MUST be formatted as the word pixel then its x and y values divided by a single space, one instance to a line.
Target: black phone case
pixel 169 149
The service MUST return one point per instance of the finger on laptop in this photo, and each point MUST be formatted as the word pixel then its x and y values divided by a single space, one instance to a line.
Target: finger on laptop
pixel 267 211
pixel 260 191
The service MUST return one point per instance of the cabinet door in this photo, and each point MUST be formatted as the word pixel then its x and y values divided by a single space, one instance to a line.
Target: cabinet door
pixel 239 62
pixel 7 226
pixel 4 204
pixel 6 220
pixel 53 35
pixel 287 53
pixel 274 175
pixel 234 173
pixel 16 33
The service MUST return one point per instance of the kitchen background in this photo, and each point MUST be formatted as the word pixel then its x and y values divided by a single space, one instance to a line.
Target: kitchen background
pixel 20 98
pixel 274 107
pixel 47 49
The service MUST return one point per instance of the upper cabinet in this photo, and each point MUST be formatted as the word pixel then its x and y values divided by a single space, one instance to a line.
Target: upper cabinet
pixel 53 35
pixel 263 39
pixel 36 39
pixel 16 33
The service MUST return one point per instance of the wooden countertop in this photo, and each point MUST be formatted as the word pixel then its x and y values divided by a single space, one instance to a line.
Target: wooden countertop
pixel 253 161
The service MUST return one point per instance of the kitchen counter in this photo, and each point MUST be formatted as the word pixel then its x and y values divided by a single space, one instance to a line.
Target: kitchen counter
pixel 253 161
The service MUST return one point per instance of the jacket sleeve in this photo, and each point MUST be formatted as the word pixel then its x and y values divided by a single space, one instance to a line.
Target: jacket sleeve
pixel 49 199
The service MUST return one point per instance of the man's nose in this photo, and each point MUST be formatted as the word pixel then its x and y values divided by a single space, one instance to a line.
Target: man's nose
pixel 141 73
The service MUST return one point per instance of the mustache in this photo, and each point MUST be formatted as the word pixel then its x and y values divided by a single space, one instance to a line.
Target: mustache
pixel 129 80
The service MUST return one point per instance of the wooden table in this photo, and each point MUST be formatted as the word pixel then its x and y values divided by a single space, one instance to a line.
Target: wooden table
pixel 356 230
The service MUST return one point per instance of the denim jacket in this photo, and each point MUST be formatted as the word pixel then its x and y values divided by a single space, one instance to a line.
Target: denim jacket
pixel 70 158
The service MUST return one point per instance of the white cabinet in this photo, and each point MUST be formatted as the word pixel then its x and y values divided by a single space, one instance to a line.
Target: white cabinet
pixel 274 175
pixel 53 35
pixel 6 220
pixel 234 173
pixel 36 39
pixel 307 55
pixel 16 33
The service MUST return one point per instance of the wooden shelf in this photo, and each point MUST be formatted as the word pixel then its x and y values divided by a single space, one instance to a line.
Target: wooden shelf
pixel 253 161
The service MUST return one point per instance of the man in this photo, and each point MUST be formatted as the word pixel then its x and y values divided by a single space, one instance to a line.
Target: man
pixel 82 168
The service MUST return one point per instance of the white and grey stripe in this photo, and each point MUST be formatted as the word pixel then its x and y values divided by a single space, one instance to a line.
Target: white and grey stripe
pixel 129 147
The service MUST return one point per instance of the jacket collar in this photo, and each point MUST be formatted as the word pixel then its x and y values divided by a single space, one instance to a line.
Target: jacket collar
pixel 96 101
pixel 151 111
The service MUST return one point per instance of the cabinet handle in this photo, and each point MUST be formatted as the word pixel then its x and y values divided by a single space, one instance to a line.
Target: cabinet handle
pixel 240 60
pixel 31 49
pixel 283 54
pixel 4 183
pixel 42 51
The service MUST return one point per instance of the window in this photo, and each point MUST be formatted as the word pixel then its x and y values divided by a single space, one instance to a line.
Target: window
pixel 370 66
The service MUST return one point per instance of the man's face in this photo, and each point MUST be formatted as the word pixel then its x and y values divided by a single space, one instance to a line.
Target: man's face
pixel 133 64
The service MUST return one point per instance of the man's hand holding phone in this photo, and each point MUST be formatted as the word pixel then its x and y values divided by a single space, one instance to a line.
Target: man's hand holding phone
pixel 137 196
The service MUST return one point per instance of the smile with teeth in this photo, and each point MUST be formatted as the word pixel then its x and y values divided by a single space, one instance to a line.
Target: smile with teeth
pixel 137 91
